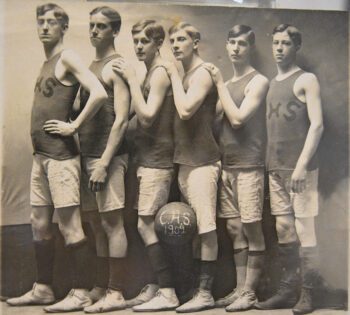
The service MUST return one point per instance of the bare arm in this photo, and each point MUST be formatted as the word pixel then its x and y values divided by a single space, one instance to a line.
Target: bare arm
pixel 219 112
pixel 187 103
pixel 117 133
pixel 253 99
pixel 311 88
pixel 146 110
pixel 73 64
pixel 254 95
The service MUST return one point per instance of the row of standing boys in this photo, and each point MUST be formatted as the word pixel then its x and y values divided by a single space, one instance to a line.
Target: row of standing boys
pixel 175 125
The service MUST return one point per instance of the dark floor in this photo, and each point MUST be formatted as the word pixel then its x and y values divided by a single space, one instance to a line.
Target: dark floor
pixel 33 310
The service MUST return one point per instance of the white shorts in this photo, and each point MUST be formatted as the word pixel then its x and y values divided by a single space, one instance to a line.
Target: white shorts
pixel 241 194
pixel 55 182
pixel 154 188
pixel 198 185
pixel 284 201
pixel 112 197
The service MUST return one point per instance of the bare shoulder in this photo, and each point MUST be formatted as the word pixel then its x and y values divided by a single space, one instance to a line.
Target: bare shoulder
pixel 260 81
pixel 305 80
pixel 160 77
pixel 70 58
pixel 201 71
pixel 306 85
pixel 202 75
pixel 110 76
pixel 258 84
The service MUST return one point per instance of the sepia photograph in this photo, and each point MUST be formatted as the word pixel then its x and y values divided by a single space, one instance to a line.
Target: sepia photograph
pixel 174 157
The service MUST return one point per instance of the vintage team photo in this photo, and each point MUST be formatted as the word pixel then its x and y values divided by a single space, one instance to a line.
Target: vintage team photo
pixel 173 158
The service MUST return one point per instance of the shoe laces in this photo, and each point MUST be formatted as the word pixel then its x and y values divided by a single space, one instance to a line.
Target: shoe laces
pixel 33 289
pixel 159 294
pixel 108 290
pixel 230 294
pixel 71 292
pixel 111 291
pixel 305 296
pixel 197 294
pixel 144 289
pixel 249 294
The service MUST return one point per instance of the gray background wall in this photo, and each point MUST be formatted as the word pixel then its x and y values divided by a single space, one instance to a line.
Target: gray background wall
pixel 324 52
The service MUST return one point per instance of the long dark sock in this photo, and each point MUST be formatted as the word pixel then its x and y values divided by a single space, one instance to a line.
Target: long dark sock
pixel 160 265
pixel 289 258
pixel 197 271
pixel 45 256
pixel 102 272
pixel 255 266
pixel 116 273
pixel 310 266
pixel 183 268
pixel 80 258
pixel 241 259
pixel 207 275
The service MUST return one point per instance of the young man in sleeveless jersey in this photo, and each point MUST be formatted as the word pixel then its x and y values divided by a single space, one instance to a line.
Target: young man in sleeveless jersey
pixel 104 164
pixel 242 145
pixel 56 167
pixel 155 111
pixel 196 152
pixel 294 129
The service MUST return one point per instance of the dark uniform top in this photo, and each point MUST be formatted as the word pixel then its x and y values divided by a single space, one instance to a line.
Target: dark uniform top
pixel 94 133
pixel 287 125
pixel 243 147
pixel 195 144
pixel 155 144
pixel 52 100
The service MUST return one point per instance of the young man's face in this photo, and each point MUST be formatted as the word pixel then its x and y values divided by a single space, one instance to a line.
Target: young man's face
pixel 49 29
pixel 100 29
pixel 145 47
pixel 182 45
pixel 238 48
pixel 283 49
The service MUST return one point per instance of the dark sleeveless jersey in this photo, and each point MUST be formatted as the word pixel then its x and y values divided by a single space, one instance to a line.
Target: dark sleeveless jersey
pixel 155 145
pixel 52 100
pixel 287 125
pixel 94 133
pixel 195 144
pixel 243 147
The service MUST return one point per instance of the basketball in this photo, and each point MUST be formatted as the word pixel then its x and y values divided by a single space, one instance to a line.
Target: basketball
pixel 175 223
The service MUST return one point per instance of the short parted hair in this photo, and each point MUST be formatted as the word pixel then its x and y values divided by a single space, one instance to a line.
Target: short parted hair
pixel 240 29
pixel 59 13
pixel 114 17
pixel 292 31
pixel 151 28
pixel 188 28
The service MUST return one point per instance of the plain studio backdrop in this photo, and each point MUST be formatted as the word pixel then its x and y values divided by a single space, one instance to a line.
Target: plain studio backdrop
pixel 324 51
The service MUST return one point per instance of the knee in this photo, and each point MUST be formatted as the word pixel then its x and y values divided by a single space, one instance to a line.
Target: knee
pixel 71 236
pixel 234 228
pixel 107 225
pixel 143 228
pixel 95 223
pixel 209 238
pixel 285 229
pixel 112 222
pixel 209 246
pixel 254 235
pixel 41 227
pixel 306 231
